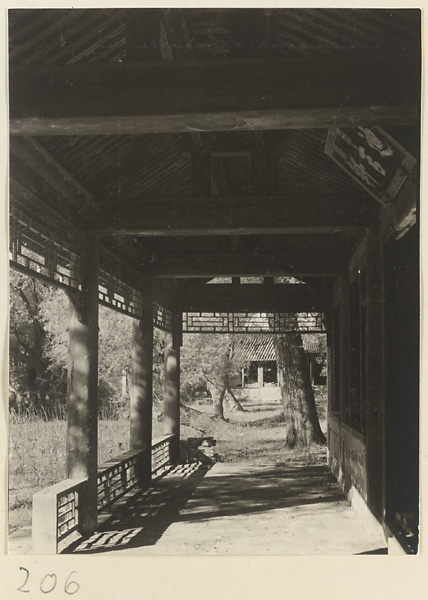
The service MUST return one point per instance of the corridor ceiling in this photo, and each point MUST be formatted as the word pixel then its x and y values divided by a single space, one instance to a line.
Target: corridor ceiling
pixel 196 137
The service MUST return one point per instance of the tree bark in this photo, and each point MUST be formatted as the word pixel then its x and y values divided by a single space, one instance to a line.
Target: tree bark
pixel 217 395
pixel 301 419
pixel 235 402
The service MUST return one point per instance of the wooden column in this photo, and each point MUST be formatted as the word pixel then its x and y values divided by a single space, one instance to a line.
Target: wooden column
pixel 172 387
pixel 142 382
pixel 260 379
pixel 82 384
pixel 344 357
pixel 330 354
pixel 375 435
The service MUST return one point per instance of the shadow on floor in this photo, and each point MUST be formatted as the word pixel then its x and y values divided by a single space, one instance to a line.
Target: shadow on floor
pixel 261 489
pixel 377 551
pixel 189 496
pixel 143 521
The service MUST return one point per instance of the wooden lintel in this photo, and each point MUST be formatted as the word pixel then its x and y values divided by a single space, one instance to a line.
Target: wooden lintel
pixel 247 265
pixel 262 120
pixel 153 96
pixel 255 297
pixel 221 215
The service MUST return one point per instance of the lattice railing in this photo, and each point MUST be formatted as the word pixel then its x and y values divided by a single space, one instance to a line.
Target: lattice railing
pixel 116 477
pixel 68 513
pixel 161 454
pixel 56 508
pixel 250 322
pixel 56 514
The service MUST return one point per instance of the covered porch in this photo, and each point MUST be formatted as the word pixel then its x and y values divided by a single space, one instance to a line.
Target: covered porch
pixel 162 155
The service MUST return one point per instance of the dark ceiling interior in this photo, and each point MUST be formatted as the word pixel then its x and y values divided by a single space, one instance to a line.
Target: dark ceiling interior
pixel 285 163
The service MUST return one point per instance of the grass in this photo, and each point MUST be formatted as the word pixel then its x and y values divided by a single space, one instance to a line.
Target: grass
pixel 257 435
pixel 37 446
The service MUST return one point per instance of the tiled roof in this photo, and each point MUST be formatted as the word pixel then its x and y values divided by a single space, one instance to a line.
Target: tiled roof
pixel 261 348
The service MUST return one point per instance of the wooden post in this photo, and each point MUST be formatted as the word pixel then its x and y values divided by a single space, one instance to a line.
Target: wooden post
pixel 172 387
pixel 344 349
pixel 82 384
pixel 375 434
pixel 330 353
pixel 142 383
pixel 260 379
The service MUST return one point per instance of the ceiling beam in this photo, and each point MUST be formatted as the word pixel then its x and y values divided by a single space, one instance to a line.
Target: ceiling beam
pixel 191 95
pixel 220 215
pixel 255 297
pixel 247 265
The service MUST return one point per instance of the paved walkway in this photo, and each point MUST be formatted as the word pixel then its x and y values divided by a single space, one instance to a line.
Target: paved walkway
pixel 292 508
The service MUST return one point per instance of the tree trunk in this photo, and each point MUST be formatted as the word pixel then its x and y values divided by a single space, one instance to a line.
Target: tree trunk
pixel 301 419
pixel 217 395
pixel 235 402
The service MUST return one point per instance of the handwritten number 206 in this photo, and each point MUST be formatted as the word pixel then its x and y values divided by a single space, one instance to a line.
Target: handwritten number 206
pixel 49 583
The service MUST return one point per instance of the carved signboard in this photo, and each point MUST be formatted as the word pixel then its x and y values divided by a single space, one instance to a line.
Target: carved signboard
pixel 372 158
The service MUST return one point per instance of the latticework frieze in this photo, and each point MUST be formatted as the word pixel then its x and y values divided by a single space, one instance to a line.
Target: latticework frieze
pixel 250 322
pixel 162 317
pixel 36 252
pixel 116 294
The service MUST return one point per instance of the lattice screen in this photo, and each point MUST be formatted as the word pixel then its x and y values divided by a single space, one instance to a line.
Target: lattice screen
pixel 112 292
pixel 248 322
pixel 37 252
pixel 34 251
pixel 162 317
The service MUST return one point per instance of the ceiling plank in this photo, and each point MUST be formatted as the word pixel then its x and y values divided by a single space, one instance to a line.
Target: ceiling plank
pixel 190 95
pixel 31 153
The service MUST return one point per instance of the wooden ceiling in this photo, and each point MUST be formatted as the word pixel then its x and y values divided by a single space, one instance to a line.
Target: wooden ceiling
pixel 198 134
pixel 72 36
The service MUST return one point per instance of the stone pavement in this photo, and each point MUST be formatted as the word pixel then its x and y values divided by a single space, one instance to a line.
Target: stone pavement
pixel 292 508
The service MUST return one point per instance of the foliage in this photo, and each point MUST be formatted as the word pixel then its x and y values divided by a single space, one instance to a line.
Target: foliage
pixel 32 383
pixel 39 347
pixel 207 359
pixel 319 339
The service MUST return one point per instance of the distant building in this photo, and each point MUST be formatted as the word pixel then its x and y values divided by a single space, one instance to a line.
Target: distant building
pixel 261 371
